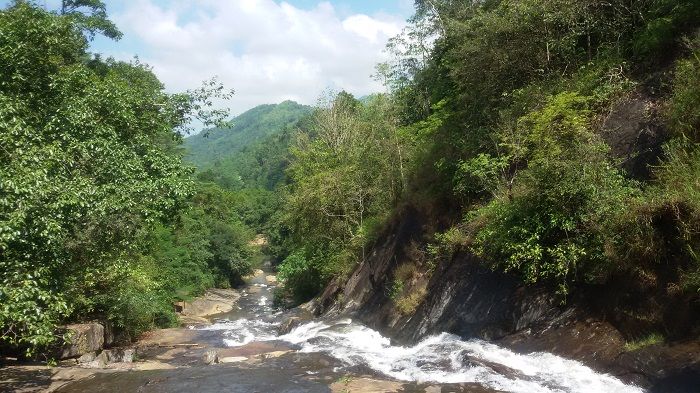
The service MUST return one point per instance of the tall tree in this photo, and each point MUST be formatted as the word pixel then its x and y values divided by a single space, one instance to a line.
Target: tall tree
pixel 91 16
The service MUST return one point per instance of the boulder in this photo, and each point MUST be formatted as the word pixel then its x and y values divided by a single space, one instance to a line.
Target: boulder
pixel 81 339
pixel 99 361
pixel 214 301
pixel 120 355
pixel 87 358
pixel 288 325
pixel 211 357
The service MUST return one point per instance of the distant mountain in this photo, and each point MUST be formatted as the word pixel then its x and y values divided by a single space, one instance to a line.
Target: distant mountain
pixel 250 127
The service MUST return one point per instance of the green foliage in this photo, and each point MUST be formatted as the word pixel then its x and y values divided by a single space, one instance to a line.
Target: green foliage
pixel 89 172
pixel 395 289
pixel 446 245
pixel 547 223
pixel 136 302
pixel 300 276
pixel 664 21
pixel 651 339
pixel 90 15
pixel 685 103
pixel 664 223
pixel 227 236
pixel 408 304
pixel 347 172
pixel 218 147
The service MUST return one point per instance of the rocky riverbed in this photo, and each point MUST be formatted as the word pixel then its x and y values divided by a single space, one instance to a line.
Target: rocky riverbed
pixel 248 346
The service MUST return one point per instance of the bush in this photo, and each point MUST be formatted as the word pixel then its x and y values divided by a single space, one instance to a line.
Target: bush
pixel 662 231
pixel 300 277
pixel 409 302
pixel 136 307
pixel 550 224
pixel 684 110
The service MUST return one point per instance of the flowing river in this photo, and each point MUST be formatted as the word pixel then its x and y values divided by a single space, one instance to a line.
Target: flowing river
pixel 325 355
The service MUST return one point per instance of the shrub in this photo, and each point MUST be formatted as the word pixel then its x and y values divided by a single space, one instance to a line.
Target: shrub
pixel 663 229
pixel 409 302
pixel 651 339
pixel 550 224
pixel 684 111
pixel 300 277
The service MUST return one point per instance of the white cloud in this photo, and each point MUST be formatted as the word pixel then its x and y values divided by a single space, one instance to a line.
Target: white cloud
pixel 266 51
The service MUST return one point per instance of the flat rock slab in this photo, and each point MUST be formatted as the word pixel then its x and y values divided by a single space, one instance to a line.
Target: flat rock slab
pixel 253 349
pixel 366 385
pixel 210 379
pixel 233 359
pixel 214 301
pixel 165 337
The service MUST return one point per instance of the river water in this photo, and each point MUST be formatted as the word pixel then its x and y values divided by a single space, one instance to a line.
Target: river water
pixel 316 355
pixel 439 359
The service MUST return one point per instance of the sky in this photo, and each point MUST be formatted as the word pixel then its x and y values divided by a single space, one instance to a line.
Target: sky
pixel 268 51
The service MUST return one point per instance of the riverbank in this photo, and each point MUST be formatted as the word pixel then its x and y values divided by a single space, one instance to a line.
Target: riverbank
pixel 195 357
pixel 255 347
pixel 461 295
pixel 155 350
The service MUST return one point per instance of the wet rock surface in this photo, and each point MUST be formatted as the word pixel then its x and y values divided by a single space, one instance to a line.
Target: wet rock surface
pixel 196 359
pixel 243 351
pixel 470 300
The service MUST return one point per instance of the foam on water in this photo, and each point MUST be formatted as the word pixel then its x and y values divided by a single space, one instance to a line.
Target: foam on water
pixel 442 358
pixel 243 331
pixel 445 358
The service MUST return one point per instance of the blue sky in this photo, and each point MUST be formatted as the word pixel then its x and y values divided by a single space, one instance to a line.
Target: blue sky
pixel 267 50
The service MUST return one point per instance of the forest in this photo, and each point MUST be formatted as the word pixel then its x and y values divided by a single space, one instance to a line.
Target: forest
pixel 502 115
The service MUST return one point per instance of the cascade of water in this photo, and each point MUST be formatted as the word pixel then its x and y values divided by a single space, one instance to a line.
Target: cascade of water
pixel 443 358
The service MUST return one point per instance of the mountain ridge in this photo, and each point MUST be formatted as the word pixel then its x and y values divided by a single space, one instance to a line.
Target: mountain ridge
pixel 248 128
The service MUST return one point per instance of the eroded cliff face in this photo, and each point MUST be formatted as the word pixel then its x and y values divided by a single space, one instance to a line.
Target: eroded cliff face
pixel 460 296
pixel 464 297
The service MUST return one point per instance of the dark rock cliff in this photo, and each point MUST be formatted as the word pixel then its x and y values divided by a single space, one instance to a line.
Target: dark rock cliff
pixel 466 298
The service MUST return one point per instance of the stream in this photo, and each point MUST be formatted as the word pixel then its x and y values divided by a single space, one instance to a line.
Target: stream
pixel 342 355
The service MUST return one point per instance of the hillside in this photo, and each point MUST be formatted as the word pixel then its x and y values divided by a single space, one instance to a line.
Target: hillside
pixel 248 128
pixel 519 211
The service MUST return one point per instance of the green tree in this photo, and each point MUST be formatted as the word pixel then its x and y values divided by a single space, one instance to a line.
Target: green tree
pixel 87 170
pixel 91 15
pixel 347 174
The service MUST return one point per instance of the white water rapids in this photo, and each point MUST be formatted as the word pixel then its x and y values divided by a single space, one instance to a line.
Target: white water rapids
pixel 442 358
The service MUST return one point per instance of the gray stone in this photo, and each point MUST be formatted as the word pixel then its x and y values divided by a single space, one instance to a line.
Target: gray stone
pixel 288 325
pixel 100 361
pixel 129 355
pixel 214 301
pixel 87 358
pixel 81 339
pixel 120 355
pixel 211 357
pixel 109 334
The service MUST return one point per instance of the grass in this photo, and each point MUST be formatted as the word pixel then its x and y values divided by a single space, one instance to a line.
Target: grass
pixel 651 339
pixel 408 304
